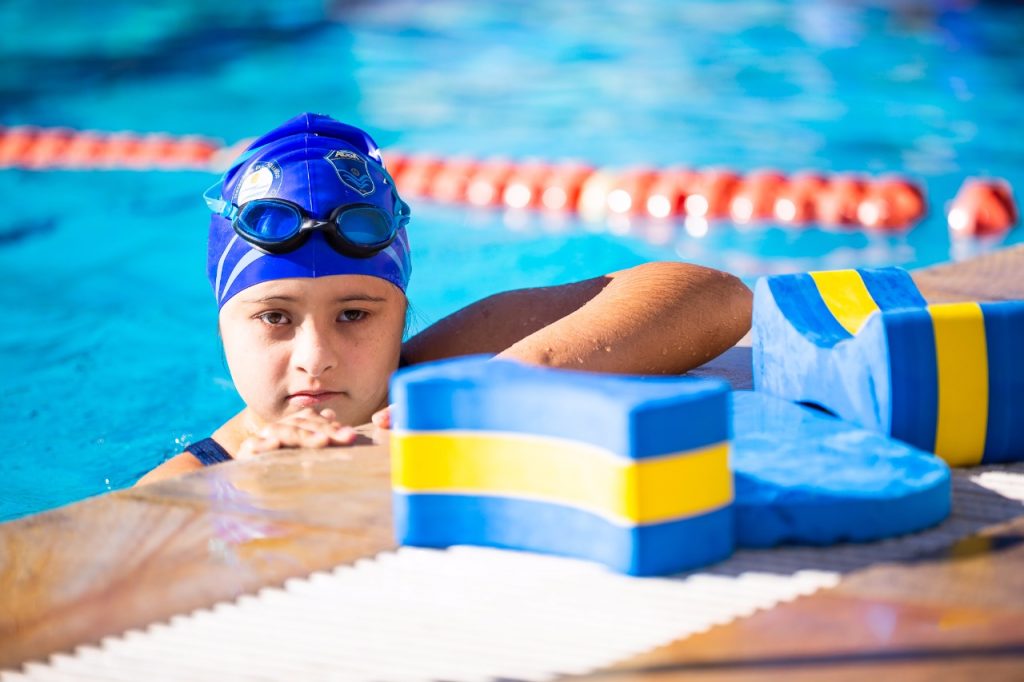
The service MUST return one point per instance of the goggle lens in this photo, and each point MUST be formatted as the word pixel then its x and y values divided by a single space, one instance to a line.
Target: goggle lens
pixel 270 221
pixel 365 226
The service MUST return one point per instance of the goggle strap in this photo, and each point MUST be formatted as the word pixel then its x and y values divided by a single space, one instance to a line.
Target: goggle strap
pixel 242 158
pixel 220 207
pixel 402 210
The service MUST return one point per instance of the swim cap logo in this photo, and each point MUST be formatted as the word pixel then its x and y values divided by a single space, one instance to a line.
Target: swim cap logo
pixel 351 169
pixel 262 180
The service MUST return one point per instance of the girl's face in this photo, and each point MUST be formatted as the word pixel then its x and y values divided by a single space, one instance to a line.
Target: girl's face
pixel 314 342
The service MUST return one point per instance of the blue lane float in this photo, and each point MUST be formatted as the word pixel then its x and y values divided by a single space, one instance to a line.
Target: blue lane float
pixel 632 472
pixel 865 345
pixel 804 477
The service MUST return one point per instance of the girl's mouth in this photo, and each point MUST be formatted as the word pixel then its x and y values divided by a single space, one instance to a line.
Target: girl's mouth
pixel 312 398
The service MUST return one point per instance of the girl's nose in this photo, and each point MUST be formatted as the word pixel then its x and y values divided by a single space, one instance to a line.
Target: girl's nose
pixel 313 353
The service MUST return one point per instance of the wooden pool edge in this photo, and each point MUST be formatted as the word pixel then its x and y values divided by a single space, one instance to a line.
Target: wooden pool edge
pixel 123 560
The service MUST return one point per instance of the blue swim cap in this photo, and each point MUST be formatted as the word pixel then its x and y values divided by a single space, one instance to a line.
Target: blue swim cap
pixel 319 164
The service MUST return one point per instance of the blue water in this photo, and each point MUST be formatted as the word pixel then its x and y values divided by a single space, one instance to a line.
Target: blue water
pixel 110 356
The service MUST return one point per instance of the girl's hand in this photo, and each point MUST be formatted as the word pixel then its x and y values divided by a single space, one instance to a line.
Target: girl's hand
pixel 382 419
pixel 304 429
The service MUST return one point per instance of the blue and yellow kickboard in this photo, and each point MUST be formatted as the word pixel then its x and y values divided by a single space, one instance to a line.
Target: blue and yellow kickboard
pixel 632 472
pixel 803 477
pixel 865 345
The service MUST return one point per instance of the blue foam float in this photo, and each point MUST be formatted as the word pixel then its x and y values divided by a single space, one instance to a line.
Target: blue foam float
pixel 632 472
pixel 865 345
pixel 804 477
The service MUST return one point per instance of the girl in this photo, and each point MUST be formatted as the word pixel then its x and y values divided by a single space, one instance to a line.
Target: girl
pixel 308 257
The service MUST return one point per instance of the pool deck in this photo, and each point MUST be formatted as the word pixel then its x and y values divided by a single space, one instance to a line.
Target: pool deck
pixel 126 559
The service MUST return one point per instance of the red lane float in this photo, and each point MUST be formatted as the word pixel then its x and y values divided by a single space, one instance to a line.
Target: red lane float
pixel 60 148
pixel 13 144
pixel 395 162
pixel 795 204
pixel 754 199
pixel 47 147
pixel 838 201
pixel 449 183
pixel 711 195
pixel 525 186
pixel 668 192
pixel 891 203
pixel 83 149
pixel 629 191
pixel 982 207
pixel 487 185
pixel 562 188
pixel 593 198
pixel 416 174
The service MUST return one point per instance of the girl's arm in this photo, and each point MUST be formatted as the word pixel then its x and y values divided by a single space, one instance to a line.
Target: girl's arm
pixel 656 318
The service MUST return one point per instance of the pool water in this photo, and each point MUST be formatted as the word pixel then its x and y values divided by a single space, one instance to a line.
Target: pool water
pixel 110 357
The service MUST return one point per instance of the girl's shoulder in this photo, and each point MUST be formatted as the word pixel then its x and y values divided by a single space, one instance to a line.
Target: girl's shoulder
pixel 226 441
pixel 231 434
pixel 179 464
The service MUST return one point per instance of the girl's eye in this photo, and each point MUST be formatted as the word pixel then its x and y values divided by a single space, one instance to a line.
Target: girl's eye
pixel 352 315
pixel 273 318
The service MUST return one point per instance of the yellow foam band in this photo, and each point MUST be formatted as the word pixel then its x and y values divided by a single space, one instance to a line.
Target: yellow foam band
pixel 962 358
pixel 846 297
pixel 564 472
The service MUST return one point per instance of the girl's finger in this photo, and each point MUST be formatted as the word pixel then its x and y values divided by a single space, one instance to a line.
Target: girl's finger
pixel 343 435
pixel 267 444
pixel 314 439
pixel 287 435
pixel 313 434
pixel 382 418
pixel 256 445
pixel 244 450
pixel 304 429
pixel 307 415
pixel 315 424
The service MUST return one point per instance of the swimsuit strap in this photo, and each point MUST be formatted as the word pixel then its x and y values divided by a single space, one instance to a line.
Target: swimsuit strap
pixel 208 451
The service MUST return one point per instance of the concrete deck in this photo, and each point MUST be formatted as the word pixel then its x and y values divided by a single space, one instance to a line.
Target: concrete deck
pixel 119 561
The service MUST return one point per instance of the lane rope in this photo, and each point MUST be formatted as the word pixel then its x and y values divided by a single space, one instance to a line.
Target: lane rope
pixel 889 203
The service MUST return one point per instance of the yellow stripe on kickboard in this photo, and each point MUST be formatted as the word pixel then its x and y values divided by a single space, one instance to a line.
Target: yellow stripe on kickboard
pixel 846 297
pixel 962 356
pixel 564 472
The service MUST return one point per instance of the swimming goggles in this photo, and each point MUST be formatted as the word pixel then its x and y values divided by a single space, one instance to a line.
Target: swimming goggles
pixel 278 226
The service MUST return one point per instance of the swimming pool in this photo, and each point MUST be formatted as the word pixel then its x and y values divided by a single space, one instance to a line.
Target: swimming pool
pixel 110 354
